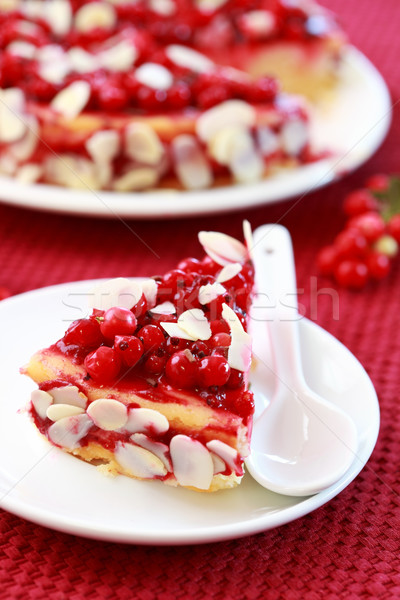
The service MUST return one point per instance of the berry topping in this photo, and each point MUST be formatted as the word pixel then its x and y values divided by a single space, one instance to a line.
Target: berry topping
pixel 117 321
pixel 151 336
pixel 103 365
pixel 85 333
pixel 129 348
pixel 181 369
pixel 213 370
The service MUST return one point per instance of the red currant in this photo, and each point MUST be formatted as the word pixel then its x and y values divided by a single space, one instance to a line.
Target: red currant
pixel 326 260
pixel 210 267
pixel 219 326
pixel 129 348
pixel 199 349
pixel 378 265
pixel 371 225
pixel 351 273
pixel 213 370
pixel 118 321
pixel 151 336
pixel 155 363
pixel 359 202
pixel 378 182
pixel 112 98
pixel 189 265
pixel 140 307
pixel 350 243
pixel 84 332
pixel 103 365
pixel 263 90
pixel 236 379
pixel 181 369
pixel 393 227
pixel 175 344
pixel 178 96
pixel 173 281
pixel 220 339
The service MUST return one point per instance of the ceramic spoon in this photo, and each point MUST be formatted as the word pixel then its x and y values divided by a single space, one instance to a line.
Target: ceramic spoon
pixel 301 443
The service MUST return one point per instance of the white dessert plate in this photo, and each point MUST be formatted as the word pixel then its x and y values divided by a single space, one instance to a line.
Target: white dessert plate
pixel 353 124
pixel 41 483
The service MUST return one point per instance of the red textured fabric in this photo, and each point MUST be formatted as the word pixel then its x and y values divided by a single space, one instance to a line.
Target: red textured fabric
pixel 346 549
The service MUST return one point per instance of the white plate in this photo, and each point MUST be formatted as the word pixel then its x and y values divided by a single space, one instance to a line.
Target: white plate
pixel 354 124
pixel 47 486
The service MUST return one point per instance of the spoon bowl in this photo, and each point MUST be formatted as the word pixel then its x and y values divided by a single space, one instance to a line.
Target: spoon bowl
pixel 301 443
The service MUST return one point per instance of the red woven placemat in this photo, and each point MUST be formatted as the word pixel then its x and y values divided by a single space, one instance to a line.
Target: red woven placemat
pixel 346 549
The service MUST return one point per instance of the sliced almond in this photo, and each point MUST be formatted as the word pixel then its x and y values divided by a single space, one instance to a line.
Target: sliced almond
pixel 143 144
pixel 12 121
pixel 137 179
pixel 189 59
pixel 246 163
pixel 108 414
pixel 191 165
pixel 210 5
pixel 210 291
pixel 120 291
pixel 95 15
pixel 22 49
pixel 119 57
pixel 75 172
pixel 9 5
pixel 228 454
pixel 239 352
pixel 41 401
pixel 68 432
pixel 165 308
pixel 166 8
pixel 149 288
pixel 222 248
pixel 154 76
pixel 145 420
pixel 158 448
pixel 227 142
pixel 219 465
pixel 195 323
pixel 227 114
pixel 138 461
pixel 174 330
pixel 29 173
pixel 68 394
pixel 55 412
pixel 82 61
pixel 268 141
pixel 58 14
pixel 229 272
pixel 103 146
pixel 248 236
pixel 294 136
pixel 24 148
pixel 259 23
pixel 72 99
pixel 192 462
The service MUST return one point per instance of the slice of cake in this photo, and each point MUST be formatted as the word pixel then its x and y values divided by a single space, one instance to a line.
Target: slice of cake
pixel 154 383
pixel 138 95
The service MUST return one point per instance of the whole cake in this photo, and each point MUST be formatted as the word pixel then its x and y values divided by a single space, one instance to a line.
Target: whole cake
pixel 154 383
pixel 137 95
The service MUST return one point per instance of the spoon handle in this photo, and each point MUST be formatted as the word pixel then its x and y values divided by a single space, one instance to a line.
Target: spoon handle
pixel 275 303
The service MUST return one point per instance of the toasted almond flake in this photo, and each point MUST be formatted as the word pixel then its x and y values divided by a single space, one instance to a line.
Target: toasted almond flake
pixel 22 49
pixel 239 352
pixel 228 454
pixel 219 465
pixel 32 8
pixel 120 291
pixel 259 23
pixel 229 272
pixel 163 7
pixel 228 142
pixel 143 144
pixel 174 330
pixel 154 76
pixel 191 165
pixel 119 57
pixel 165 308
pixel 146 420
pixel 12 121
pixel 294 136
pixel 137 179
pixel 95 15
pixel 72 99
pixel 58 14
pixel 29 173
pixel 222 248
pixel 192 462
pixel 158 448
pixel 246 164
pixel 24 148
pixel 108 414
pixel 82 61
pixel 103 146
pixel 189 59
pixel 149 288
pixel 195 323
pixel 9 5
pixel 268 141
pixel 248 236
pixel 69 431
pixel 41 401
pixel 209 5
pixel 55 412
pixel 227 114
pixel 210 291
pixel 74 172
pixel 138 461
pixel 68 394
pixel 8 164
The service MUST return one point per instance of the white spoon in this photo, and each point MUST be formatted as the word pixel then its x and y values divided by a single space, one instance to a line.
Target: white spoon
pixel 301 443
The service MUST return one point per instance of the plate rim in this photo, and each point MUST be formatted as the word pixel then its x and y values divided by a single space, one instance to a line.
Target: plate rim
pixel 213 533
pixel 218 200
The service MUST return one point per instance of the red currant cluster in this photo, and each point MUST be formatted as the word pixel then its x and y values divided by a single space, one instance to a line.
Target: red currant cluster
pixel 363 251
pixel 119 343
